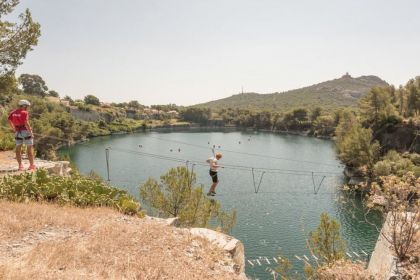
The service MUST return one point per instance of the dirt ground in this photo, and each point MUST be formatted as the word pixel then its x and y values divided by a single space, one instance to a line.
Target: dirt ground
pixel 45 241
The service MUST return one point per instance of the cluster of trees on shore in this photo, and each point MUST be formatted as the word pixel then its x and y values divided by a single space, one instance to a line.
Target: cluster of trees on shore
pixel 315 122
pixel 360 136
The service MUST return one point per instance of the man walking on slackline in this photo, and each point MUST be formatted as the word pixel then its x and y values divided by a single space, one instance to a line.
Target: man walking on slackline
pixel 213 161
pixel 19 122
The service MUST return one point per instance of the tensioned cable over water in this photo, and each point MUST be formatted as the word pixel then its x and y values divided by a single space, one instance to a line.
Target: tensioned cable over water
pixel 242 153
pixel 230 166
pixel 244 168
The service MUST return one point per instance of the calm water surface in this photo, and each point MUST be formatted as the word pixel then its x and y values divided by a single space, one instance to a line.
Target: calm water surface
pixel 275 220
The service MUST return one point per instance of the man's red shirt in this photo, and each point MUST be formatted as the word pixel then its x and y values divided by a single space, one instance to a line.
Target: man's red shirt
pixel 18 118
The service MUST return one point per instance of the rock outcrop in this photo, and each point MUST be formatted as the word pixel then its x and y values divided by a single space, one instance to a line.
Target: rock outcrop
pixel 8 165
pixel 232 246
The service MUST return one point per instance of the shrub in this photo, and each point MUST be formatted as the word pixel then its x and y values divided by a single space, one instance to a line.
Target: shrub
pixel 75 190
pixel 401 211
pixel 394 164
pixel 7 142
pixel 356 147
pixel 176 196
pixel 325 241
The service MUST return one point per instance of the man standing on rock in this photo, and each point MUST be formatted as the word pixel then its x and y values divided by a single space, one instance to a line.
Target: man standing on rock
pixel 19 122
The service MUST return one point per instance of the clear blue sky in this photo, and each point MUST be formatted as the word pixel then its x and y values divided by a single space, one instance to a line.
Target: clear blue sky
pixel 191 51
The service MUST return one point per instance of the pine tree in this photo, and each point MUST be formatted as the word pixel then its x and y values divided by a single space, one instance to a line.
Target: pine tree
pixel 325 241
pixel 177 196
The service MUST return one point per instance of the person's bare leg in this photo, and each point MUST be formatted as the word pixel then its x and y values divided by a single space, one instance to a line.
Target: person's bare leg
pixel 30 151
pixel 213 187
pixel 19 154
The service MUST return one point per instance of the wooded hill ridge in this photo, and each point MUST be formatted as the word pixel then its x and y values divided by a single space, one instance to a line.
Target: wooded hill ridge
pixel 341 92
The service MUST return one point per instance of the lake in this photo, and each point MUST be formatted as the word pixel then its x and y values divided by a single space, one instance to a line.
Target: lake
pixel 277 219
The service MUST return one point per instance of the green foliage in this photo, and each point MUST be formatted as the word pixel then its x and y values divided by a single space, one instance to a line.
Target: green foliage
pixel 315 113
pixel 325 242
pixel 92 100
pixel 298 119
pixel 8 87
pixel 53 93
pixel 165 108
pixel 376 107
pixel 413 97
pixel 394 164
pixel 33 85
pixel 7 141
pixel 354 143
pixel 177 196
pixel 75 190
pixel 324 125
pixel 16 39
pixel 134 104
pixel 196 115
pixel 284 268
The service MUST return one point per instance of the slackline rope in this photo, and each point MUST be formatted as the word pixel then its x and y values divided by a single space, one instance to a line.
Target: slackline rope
pixel 256 184
pixel 243 153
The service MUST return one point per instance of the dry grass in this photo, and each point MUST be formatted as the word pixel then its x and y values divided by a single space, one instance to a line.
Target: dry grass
pixel 41 241
pixel 412 269
pixel 344 270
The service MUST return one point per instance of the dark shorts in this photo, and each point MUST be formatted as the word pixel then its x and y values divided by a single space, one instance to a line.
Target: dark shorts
pixel 213 175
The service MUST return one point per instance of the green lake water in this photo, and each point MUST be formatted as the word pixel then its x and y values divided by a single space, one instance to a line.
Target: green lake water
pixel 275 220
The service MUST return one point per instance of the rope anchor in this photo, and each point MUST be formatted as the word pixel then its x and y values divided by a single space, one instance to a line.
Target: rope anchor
pixel 107 163
pixel 257 188
pixel 316 189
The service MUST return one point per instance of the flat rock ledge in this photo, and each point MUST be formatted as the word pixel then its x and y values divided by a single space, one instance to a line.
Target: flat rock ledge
pixel 8 165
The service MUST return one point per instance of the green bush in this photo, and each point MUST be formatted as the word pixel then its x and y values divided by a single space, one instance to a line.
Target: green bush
pixel 75 190
pixel 7 142
pixel 176 195
pixel 395 164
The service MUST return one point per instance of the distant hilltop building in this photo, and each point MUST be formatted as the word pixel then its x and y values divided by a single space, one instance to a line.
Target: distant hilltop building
pixel 346 76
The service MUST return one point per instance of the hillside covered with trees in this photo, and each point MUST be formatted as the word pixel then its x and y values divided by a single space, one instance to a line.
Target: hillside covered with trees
pixel 333 94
